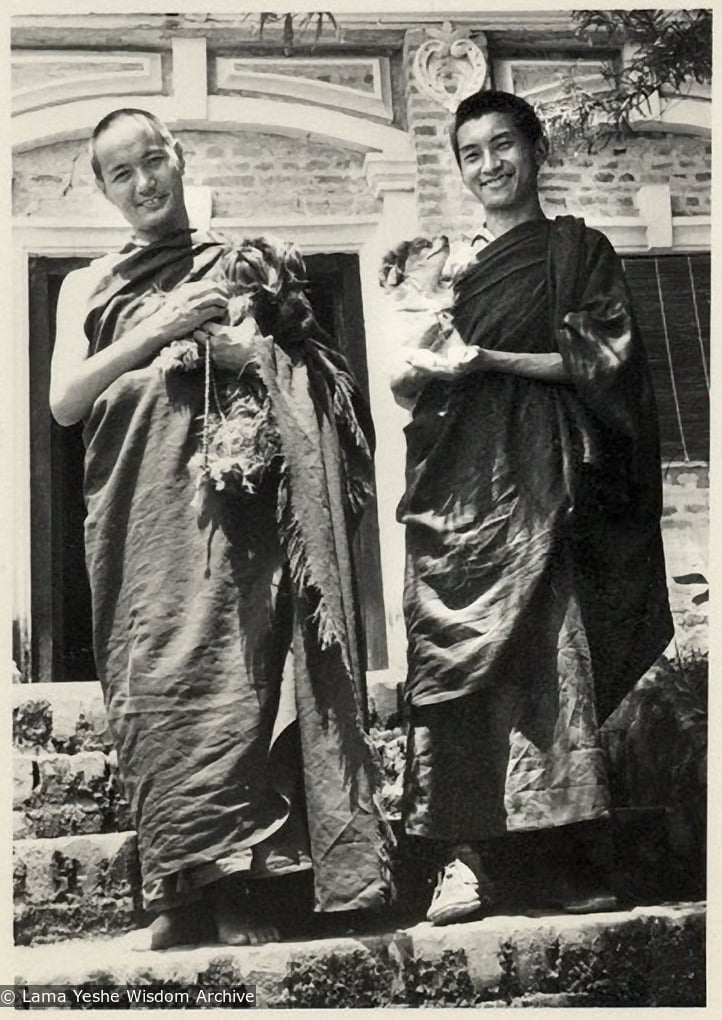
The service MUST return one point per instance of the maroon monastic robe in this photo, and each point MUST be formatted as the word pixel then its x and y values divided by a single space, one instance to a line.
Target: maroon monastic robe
pixel 535 574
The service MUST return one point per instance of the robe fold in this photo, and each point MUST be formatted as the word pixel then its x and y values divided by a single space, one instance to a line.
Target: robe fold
pixel 535 590
pixel 227 643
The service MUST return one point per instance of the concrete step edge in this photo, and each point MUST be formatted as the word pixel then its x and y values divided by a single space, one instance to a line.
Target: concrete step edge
pixel 646 956
pixel 51 844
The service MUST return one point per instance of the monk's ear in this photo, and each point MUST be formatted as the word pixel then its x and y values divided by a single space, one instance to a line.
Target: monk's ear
pixel 178 150
pixel 541 151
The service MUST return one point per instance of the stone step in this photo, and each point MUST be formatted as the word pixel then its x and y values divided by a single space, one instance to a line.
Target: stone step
pixel 74 885
pixel 90 883
pixel 649 956
pixel 67 794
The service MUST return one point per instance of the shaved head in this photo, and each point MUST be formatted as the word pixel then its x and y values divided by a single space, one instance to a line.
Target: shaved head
pixel 143 117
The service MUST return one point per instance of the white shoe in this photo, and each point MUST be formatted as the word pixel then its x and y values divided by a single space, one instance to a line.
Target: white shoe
pixel 456 894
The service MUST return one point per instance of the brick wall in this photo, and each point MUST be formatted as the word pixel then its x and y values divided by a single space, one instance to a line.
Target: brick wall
pixel 253 172
pixel 602 184
pixel 249 172
pixel 247 169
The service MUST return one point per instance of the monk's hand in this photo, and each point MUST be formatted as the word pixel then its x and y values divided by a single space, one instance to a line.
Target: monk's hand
pixel 186 308
pixel 231 347
pixel 469 359
pixel 424 361
pixel 454 366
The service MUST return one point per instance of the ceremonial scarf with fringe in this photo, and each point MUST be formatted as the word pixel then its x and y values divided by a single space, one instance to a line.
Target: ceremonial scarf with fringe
pixel 325 480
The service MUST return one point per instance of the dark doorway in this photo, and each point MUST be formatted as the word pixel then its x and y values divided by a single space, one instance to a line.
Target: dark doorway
pixel 61 646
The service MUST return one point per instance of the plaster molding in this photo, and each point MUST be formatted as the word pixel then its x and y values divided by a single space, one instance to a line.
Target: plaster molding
pixel 692 233
pixel 655 229
pixel 384 174
pixel 224 113
pixel 26 26
pixel 687 113
pixel 681 115
pixel 190 77
pixel 247 74
pixel 76 119
pixel 333 127
pixel 327 234
pixel 142 74
pixel 655 209
pixel 503 75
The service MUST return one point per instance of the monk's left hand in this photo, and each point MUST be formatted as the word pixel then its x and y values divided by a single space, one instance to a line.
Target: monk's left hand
pixel 471 359
pixel 474 359
pixel 231 347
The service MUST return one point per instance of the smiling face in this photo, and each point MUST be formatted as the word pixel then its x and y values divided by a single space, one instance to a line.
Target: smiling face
pixel 498 163
pixel 142 174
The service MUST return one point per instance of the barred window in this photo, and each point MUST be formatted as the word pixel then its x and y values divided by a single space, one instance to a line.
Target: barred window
pixel 672 303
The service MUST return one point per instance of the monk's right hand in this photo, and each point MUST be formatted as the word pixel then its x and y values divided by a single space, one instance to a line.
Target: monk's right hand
pixel 186 308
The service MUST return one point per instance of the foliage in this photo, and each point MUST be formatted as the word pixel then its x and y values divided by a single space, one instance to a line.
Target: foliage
pixel 32 723
pixel 439 982
pixel 349 980
pixel 666 50
pixel 297 27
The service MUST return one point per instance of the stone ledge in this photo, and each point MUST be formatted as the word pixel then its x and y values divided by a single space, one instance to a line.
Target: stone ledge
pixel 75 884
pixel 649 956
pixel 70 718
pixel 67 794
pixel 60 717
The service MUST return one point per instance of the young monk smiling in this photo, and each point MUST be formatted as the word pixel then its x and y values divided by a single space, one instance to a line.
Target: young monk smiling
pixel 535 591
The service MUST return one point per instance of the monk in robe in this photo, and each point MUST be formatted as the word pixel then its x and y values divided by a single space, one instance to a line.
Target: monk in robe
pixel 226 640
pixel 535 592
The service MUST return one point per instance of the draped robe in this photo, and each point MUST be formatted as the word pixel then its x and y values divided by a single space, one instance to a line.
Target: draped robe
pixel 227 643
pixel 535 591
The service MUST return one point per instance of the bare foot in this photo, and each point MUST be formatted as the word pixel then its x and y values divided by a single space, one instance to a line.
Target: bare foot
pixel 237 918
pixel 180 927
pixel 238 928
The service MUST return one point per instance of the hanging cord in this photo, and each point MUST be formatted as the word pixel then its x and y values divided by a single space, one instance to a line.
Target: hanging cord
pixel 209 386
pixel 677 408
pixel 206 408
pixel 216 398
pixel 697 322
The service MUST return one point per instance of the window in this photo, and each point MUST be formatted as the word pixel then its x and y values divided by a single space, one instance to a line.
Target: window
pixel 672 302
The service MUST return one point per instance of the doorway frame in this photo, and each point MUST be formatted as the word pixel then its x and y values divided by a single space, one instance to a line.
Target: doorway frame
pixel 47 557
pixel 365 237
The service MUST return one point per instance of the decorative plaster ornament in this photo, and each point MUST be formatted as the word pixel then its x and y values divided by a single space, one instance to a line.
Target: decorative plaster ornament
pixel 450 65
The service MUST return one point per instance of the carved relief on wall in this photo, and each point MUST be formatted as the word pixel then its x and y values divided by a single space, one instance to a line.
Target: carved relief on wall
pixel 450 65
